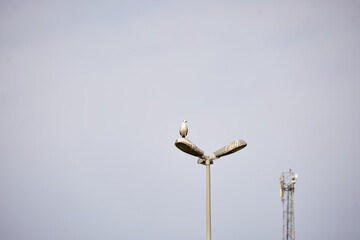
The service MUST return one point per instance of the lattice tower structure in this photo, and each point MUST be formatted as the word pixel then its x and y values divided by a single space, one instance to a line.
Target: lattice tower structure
pixel 287 189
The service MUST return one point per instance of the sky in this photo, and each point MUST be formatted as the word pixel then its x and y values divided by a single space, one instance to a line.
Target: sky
pixel 92 95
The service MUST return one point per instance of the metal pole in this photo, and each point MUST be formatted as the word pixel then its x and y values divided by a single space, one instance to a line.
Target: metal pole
pixel 208 205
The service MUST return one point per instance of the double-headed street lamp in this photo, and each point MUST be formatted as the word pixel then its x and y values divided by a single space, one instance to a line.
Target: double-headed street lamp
pixel 188 147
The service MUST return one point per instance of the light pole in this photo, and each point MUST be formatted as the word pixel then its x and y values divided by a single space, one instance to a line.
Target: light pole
pixel 188 147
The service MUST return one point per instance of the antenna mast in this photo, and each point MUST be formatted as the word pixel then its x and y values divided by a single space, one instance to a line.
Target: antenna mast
pixel 287 189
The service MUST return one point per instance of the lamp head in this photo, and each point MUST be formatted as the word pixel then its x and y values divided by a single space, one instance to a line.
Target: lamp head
pixel 230 148
pixel 188 147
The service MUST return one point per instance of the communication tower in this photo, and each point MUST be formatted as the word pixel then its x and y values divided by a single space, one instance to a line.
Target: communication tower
pixel 287 189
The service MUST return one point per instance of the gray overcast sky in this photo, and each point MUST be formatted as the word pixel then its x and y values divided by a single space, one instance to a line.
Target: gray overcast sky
pixel 92 94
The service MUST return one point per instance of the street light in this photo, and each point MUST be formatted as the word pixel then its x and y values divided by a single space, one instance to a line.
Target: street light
pixel 188 147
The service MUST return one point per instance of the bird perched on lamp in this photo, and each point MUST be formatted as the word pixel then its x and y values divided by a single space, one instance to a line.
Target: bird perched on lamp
pixel 183 129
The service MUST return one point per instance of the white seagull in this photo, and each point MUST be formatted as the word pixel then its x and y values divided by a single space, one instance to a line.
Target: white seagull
pixel 183 129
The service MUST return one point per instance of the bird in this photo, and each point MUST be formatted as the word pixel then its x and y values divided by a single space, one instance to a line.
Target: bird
pixel 183 129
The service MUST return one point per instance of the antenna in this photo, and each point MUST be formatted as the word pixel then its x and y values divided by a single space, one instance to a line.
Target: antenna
pixel 287 189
